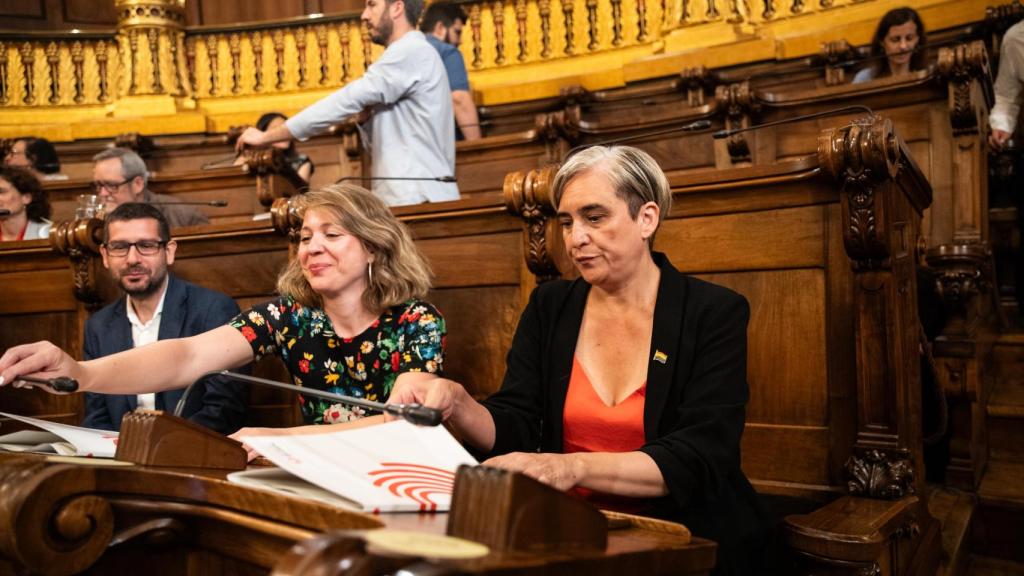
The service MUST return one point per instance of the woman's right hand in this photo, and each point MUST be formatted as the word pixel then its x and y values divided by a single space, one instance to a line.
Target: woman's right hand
pixel 40 360
pixel 428 390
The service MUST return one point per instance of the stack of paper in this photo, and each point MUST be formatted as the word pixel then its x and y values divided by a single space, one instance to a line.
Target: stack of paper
pixel 59 438
pixel 393 467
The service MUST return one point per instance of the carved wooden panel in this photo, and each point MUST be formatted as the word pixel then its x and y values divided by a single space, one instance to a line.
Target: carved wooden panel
pixel 33 9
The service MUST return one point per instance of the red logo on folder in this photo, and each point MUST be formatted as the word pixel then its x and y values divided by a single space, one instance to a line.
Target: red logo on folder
pixel 414 481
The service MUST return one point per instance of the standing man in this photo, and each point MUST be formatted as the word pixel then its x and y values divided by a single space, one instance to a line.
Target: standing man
pixel 137 250
pixel 442 23
pixel 1008 87
pixel 119 175
pixel 409 134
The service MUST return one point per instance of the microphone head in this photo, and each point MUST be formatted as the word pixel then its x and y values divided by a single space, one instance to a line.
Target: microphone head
pixel 446 179
pixel 698 125
pixel 421 415
pixel 5 212
pixel 720 134
pixel 219 203
pixel 64 384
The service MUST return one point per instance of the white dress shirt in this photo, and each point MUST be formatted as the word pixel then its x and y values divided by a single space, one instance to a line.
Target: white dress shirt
pixel 146 333
pixel 411 132
pixel 1010 80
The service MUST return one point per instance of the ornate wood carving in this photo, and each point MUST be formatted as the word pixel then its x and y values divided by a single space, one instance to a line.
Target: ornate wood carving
pixel 173 39
pixel 695 80
pixel 877 474
pixel 882 197
pixel 966 69
pixel 5 95
pixel 474 26
pixel 592 25
pixel 528 195
pixel 300 49
pixel 28 59
pixel 235 47
pixel 80 240
pixel 570 37
pixel 256 41
pixel 616 22
pixel 153 36
pixel 521 29
pixel 211 52
pixel 278 39
pixel 133 59
pixel 321 42
pixel 344 38
pixel 367 47
pixel 498 18
pixel 738 103
pixel 101 63
pixel 53 65
pixel 964 272
pixel 142 145
pixel 544 8
pixel 641 21
pixel 190 61
pixel 266 164
pixel 835 54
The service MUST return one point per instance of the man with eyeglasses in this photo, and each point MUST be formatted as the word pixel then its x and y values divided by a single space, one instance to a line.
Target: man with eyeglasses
pixel 137 250
pixel 119 175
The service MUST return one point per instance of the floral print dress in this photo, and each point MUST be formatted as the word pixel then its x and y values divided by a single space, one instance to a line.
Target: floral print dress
pixel 409 337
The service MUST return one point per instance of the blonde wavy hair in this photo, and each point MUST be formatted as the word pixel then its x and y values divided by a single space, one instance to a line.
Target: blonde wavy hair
pixel 400 272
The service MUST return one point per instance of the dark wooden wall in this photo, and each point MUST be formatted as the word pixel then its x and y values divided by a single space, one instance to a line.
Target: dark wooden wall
pixel 219 12
pixel 57 14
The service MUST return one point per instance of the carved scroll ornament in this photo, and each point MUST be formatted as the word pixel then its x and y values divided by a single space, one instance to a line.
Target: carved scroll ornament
pixel 80 240
pixel 695 81
pixel 860 157
pixel 965 68
pixel 528 195
pixel 876 474
pixel 738 103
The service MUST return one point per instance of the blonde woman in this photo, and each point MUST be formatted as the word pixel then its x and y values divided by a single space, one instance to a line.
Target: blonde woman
pixel 349 319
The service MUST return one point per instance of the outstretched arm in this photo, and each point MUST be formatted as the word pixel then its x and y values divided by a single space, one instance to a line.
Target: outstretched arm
pixel 163 365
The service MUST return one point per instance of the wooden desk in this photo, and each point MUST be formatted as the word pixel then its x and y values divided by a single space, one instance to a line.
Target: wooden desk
pixel 64 518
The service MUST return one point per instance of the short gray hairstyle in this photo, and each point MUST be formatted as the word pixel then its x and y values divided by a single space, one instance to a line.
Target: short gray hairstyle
pixel 132 164
pixel 633 173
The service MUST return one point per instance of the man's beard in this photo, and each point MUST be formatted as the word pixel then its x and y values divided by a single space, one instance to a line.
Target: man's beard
pixel 154 283
pixel 382 31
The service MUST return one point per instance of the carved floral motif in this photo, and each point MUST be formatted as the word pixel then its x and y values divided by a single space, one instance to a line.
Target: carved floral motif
pixel 877 475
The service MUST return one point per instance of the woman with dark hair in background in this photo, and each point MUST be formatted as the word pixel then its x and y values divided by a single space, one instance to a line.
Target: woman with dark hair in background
pixel 24 206
pixel 36 154
pixel 301 163
pixel 900 38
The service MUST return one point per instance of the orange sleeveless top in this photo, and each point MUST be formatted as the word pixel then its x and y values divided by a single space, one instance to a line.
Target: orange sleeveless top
pixel 590 425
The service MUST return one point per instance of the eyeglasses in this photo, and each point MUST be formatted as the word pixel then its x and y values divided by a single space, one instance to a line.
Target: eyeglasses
pixel 144 247
pixel 109 186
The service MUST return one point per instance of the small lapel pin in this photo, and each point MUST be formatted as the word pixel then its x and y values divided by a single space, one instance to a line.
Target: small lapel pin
pixel 660 357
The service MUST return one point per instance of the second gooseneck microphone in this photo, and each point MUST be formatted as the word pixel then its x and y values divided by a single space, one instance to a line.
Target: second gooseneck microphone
pixel 414 413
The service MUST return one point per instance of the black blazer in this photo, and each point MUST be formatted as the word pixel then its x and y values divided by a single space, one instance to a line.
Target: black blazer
pixel 188 310
pixel 693 413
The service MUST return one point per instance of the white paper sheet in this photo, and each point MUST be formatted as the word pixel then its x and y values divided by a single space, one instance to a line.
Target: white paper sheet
pixel 83 441
pixel 392 467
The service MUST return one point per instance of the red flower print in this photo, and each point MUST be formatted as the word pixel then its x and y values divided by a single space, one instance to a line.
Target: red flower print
pixel 376 364
pixel 394 361
pixel 304 366
pixel 249 333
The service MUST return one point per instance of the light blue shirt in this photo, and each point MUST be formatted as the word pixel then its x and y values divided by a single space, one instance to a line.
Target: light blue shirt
pixel 410 133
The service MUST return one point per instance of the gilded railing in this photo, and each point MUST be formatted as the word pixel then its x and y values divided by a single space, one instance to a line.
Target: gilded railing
pixel 153 53
pixel 58 69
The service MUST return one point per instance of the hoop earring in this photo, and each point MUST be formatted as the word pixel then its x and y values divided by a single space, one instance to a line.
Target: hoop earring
pixel 369 273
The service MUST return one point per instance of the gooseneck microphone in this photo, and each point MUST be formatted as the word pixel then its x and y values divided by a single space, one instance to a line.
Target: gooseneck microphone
pixel 414 413
pixel 214 203
pixel 694 126
pixel 857 107
pixel 4 212
pixel 59 384
pixel 447 179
